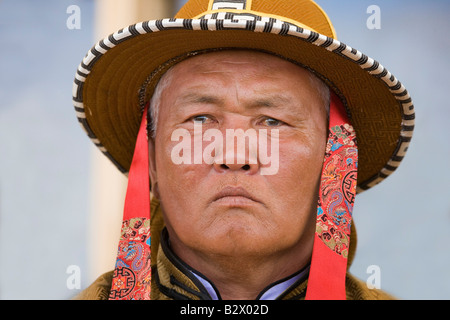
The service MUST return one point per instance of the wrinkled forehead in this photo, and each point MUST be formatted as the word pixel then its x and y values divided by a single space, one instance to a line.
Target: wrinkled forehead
pixel 237 62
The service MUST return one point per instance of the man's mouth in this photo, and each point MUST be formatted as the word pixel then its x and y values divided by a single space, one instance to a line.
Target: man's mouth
pixel 234 196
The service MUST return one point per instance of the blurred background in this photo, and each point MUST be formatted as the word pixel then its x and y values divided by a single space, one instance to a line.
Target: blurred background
pixel 61 201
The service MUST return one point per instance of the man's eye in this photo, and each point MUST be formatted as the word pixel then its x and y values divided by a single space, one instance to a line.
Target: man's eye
pixel 271 122
pixel 201 119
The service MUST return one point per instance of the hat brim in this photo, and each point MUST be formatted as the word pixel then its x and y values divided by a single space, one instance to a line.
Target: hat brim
pixel 118 75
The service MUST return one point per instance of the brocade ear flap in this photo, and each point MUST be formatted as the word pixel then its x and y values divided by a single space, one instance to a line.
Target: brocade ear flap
pixel 132 274
pixel 334 211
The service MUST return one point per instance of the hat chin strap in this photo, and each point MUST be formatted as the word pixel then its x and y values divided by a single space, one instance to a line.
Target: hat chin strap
pixel 132 274
pixel 334 211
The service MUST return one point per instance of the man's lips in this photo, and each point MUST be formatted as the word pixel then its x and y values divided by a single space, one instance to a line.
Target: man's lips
pixel 235 195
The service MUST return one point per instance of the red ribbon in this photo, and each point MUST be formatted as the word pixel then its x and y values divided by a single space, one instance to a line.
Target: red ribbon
pixel 334 212
pixel 132 274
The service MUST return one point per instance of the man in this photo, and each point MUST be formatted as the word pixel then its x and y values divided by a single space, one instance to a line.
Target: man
pixel 267 219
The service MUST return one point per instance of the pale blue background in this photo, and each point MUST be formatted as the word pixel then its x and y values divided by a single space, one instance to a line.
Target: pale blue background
pixel 403 224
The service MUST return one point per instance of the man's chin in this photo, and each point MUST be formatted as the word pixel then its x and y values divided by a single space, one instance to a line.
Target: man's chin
pixel 240 239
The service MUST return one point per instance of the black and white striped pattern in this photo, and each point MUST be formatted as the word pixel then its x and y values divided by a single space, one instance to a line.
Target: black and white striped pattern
pixel 227 20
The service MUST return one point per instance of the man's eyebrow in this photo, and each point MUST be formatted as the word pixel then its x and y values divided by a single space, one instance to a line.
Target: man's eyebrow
pixel 278 101
pixel 272 101
pixel 198 98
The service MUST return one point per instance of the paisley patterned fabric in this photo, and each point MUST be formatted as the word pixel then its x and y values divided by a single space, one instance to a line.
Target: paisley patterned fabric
pixel 334 211
pixel 132 275
pixel 338 189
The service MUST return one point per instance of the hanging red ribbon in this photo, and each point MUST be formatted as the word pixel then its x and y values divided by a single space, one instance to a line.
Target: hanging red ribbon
pixel 334 212
pixel 132 274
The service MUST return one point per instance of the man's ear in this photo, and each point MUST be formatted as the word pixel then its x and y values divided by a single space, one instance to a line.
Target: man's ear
pixel 152 167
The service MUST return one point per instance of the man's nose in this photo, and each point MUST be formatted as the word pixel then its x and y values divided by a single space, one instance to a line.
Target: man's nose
pixel 237 165
pixel 238 157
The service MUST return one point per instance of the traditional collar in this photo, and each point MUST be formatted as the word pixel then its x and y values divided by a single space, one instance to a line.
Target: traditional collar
pixel 177 280
pixel 272 292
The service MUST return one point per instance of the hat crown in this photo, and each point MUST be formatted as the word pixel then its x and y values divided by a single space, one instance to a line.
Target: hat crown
pixel 305 12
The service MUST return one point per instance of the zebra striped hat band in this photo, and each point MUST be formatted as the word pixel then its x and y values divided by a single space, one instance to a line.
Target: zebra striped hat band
pixel 117 77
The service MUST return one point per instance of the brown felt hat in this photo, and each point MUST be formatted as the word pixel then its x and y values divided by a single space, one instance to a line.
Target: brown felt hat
pixel 117 77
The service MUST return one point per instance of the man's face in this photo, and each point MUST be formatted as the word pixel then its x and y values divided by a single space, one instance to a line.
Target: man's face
pixel 232 209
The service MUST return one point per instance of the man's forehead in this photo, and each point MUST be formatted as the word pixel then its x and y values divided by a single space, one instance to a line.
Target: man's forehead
pixel 227 60
pixel 198 79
